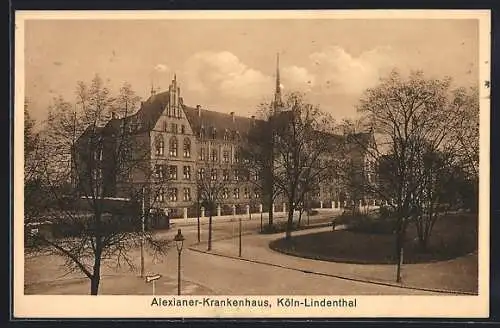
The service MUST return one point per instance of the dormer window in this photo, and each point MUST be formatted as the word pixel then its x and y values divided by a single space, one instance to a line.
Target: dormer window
pixel 173 147
pixel 214 133
pixel 226 135
pixel 202 132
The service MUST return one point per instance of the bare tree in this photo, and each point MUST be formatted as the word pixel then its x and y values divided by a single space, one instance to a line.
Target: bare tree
pixel 303 150
pixel 86 156
pixel 411 117
pixel 258 157
pixel 212 190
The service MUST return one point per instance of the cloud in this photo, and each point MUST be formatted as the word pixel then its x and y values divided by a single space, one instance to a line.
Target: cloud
pixel 224 73
pixel 161 68
pixel 338 71
pixel 297 78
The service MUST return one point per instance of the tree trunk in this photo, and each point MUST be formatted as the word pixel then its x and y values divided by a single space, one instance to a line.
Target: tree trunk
pixel 209 248
pixel 270 211
pixel 289 224
pixel 96 276
pixel 399 249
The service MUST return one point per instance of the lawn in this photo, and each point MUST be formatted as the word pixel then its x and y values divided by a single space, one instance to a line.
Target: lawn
pixel 453 236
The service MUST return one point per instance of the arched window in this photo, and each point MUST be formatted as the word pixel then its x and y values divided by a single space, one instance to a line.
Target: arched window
pixel 187 147
pixel 173 146
pixel 159 145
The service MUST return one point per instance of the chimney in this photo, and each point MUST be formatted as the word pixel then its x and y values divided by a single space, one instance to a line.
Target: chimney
pixel 253 120
pixel 232 116
pixel 198 109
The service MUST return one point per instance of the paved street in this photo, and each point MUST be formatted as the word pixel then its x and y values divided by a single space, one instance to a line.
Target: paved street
pixel 221 275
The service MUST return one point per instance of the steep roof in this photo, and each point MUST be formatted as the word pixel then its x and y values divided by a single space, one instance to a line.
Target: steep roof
pixel 209 120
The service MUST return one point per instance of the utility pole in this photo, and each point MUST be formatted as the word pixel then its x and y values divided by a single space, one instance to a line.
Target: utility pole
pixel 143 214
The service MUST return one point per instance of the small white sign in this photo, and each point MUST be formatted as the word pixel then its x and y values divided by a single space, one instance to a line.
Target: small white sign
pixel 153 277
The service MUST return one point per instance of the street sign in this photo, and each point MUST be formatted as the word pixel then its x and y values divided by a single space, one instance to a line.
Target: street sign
pixel 153 277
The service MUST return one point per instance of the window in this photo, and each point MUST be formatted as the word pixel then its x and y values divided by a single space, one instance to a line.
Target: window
pixel 256 176
pixel 225 156
pixel 165 126
pixel 225 193
pixel 201 155
pixel 202 133
pixel 214 174
pixel 159 172
pixel 187 172
pixel 187 147
pixel 236 193
pixel 226 135
pixel 201 173
pixel 172 172
pixel 173 147
pixel 256 194
pixel 172 194
pixel 236 175
pixel 214 155
pixel 237 156
pixel 214 133
pixel 160 146
pixel 186 194
pixel 225 175
pixel 174 128
pixel 183 129
pixel 160 195
pixel 246 194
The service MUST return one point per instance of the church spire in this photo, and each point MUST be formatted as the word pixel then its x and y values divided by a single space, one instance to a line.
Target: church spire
pixel 277 93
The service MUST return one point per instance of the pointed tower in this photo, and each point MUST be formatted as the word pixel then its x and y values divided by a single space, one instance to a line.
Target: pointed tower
pixel 277 93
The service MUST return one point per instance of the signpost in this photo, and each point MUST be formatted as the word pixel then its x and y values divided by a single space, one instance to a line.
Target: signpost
pixel 152 279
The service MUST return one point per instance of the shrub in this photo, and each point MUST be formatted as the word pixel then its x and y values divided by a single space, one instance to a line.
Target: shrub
pixel 367 222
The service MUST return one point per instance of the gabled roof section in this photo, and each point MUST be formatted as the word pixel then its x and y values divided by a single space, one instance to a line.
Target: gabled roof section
pixel 220 123
pixel 144 119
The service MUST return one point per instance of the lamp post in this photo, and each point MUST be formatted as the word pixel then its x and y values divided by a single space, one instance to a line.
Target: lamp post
pixel 198 212
pixel 239 252
pixel 179 241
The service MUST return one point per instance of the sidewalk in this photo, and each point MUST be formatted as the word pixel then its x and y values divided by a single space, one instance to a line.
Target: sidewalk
pixel 113 285
pixel 458 276
pixel 184 222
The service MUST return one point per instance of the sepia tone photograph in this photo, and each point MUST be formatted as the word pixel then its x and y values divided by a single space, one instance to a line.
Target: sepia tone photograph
pixel 301 158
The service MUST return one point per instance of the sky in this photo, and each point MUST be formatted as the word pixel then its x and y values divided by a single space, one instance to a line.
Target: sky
pixel 230 65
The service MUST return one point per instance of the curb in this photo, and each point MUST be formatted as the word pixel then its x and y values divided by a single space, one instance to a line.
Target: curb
pixel 366 281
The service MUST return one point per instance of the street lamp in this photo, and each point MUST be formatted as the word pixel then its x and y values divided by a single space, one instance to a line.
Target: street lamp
pixel 179 242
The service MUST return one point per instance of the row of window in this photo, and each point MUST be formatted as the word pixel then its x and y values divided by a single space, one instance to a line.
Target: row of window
pixel 214 156
pixel 236 193
pixel 174 128
pixel 170 172
pixel 173 147
pixel 238 174
pixel 171 194
pixel 162 171
pixel 228 135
